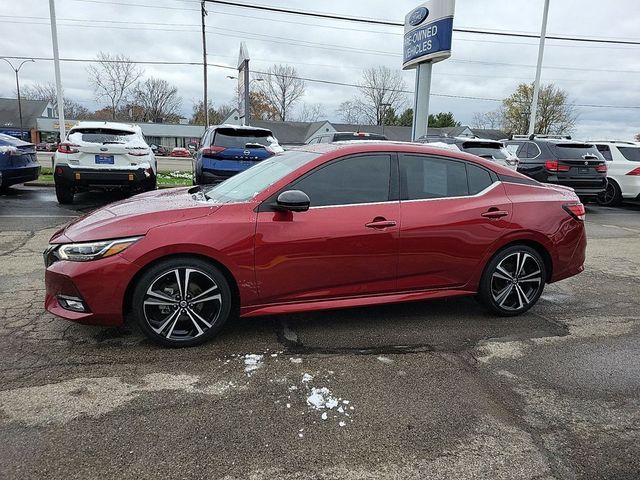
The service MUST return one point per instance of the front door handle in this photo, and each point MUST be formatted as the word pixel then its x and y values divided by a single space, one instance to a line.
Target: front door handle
pixel 495 213
pixel 380 223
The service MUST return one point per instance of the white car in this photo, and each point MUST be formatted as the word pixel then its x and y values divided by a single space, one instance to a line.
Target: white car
pixel 493 150
pixel 623 161
pixel 105 155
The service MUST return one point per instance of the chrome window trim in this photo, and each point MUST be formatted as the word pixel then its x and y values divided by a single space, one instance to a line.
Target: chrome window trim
pixel 539 151
pixel 479 194
pixel 354 204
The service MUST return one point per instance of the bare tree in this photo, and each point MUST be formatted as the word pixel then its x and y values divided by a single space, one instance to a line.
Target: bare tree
pixel 381 88
pixel 48 92
pixel 350 112
pixel 282 88
pixel 492 119
pixel 556 115
pixel 158 100
pixel 311 112
pixel 113 78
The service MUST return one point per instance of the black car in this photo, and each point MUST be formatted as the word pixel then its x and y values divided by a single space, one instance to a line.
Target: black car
pixel 346 137
pixel 562 161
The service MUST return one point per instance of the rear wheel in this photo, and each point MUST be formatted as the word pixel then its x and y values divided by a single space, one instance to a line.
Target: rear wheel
pixel 513 281
pixel 64 194
pixel 612 196
pixel 151 184
pixel 182 302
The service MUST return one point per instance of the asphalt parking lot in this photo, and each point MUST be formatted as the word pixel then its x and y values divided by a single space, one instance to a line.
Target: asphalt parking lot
pixel 424 390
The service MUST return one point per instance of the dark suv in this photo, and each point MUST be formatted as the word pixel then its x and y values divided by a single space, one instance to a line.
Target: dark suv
pixel 562 161
pixel 229 149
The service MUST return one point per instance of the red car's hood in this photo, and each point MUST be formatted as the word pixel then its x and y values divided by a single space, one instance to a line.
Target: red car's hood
pixel 134 216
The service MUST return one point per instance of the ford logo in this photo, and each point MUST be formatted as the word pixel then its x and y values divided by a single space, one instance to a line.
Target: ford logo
pixel 418 16
pixel 104 149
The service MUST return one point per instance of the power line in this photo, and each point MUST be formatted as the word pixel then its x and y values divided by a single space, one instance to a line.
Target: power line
pixel 373 21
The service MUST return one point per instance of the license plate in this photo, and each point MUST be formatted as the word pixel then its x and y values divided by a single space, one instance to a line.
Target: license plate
pixel 584 170
pixel 104 159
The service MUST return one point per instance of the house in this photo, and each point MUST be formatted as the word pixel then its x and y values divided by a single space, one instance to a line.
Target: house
pixel 31 111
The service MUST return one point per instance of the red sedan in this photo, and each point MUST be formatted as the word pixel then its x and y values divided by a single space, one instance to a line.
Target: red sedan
pixel 324 226
pixel 180 152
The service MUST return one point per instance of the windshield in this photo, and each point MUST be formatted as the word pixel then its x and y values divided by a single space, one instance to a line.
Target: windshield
pixel 231 138
pixel 246 185
pixel 101 135
pixel 576 151
pixel 630 153
pixel 492 150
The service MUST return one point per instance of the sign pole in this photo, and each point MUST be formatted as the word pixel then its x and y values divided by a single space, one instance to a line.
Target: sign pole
pixel 421 101
pixel 536 84
pixel 56 64
pixel 247 112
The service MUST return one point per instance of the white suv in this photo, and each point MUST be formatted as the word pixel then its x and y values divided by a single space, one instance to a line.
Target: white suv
pixel 104 155
pixel 623 160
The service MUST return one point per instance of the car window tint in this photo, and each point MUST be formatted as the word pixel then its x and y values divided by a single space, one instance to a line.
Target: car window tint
pixel 575 151
pixel 605 151
pixel 478 178
pixel 361 179
pixel 630 153
pixel 240 138
pixel 425 177
pixel 522 150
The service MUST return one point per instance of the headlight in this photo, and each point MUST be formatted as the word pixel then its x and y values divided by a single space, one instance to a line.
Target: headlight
pixel 84 252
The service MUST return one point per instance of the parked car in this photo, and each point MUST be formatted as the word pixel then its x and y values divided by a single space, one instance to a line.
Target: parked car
pixel 159 150
pixel 491 149
pixel 18 161
pixel 226 150
pixel 181 152
pixel 46 147
pixel 324 226
pixel 562 161
pixel 345 137
pixel 105 155
pixel 623 162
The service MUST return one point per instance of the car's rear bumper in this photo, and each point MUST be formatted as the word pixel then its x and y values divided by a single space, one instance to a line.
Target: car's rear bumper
pixel 105 177
pixel 13 176
pixel 207 177
pixel 104 301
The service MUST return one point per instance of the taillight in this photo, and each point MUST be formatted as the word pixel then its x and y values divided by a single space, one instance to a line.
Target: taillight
pixel 602 168
pixel 207 151
pixel 635 172
pixel 68 148
pixel 576 210
pixel 554 166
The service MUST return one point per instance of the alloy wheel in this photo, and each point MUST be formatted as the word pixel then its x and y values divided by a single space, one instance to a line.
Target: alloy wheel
pixel 182 304
pixel 516 281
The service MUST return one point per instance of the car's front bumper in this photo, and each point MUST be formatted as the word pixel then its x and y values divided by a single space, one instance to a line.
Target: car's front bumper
pixel 85 281
pixel 104 177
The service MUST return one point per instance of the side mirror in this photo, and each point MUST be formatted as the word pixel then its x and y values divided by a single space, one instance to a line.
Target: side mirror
pixel 293 201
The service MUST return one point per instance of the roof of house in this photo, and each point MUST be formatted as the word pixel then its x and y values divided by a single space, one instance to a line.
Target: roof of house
pixel 31 109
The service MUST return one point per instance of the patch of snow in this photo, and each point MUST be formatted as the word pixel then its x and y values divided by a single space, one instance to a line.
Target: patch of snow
pixel 321 398
pixel 324 415
pixel 385 359
pixel 342 424
pixel 306 378
pixel 252 362
pixel 295 360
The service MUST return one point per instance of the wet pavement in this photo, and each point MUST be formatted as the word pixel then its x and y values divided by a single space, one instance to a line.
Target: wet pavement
pixel 424 390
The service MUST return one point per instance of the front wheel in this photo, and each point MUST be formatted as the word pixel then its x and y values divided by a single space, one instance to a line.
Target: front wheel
pixel 182 302
pixel 513 281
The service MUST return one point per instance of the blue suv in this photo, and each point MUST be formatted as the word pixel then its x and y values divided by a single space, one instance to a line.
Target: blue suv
pixel 226 150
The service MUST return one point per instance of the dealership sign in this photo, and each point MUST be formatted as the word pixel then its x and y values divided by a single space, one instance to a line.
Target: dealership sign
pixel 427 33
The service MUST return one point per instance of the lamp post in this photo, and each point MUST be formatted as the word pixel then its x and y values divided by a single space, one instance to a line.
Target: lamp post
pixel 16 70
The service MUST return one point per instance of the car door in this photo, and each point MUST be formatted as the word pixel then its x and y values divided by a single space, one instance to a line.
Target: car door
pixel 346 244
pixel 452 211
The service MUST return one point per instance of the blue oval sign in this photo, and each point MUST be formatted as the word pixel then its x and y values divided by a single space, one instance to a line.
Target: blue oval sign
pixel 418 16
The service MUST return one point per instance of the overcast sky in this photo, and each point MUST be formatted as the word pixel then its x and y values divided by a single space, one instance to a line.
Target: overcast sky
pixel 168 30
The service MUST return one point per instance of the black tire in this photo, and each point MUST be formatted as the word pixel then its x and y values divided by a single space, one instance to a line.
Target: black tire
pixel 64 194
pixel 178 322
pixel 151 184
pixel 612 196
pixel 507 291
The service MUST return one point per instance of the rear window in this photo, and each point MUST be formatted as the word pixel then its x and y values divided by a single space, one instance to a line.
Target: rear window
pixel 341 137
pixel 488 150
pixel 9 141
pixel 630 153
pixel 101 135
pixel 575 151
pixel 231 138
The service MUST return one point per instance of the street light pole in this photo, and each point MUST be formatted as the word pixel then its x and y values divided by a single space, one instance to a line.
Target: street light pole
pixel 536 84
pixel 16 70
pixel 203 13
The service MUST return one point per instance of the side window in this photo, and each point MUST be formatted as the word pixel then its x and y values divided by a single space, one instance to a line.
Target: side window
pixel 479 179
pixel 522 151
pixel 325 139
pixel 423 177
pixel 513 148
pixel 605 151
pixel 532 150
pixel 352 180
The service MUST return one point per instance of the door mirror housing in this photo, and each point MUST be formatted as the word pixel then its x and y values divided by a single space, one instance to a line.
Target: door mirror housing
pixel 293 201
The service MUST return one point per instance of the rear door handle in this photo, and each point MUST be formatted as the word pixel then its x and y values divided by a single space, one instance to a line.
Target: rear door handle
pixel 495 214
pixel 379 224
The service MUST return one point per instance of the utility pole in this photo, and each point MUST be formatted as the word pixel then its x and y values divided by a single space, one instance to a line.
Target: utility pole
pixel 536 84
pixel 56 64
pixel 203 13
pixel 384 107
pixel 16 70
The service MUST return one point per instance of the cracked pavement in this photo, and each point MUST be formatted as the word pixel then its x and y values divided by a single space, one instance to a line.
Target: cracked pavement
pixel 427 390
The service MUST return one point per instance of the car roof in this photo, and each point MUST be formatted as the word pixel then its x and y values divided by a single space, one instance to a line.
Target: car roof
pixel 616 142
pixel 110 125
pixel 239 127
pixel 370 146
